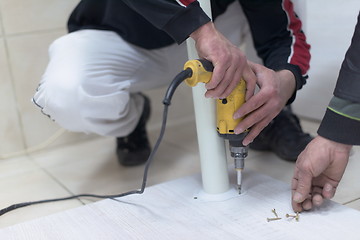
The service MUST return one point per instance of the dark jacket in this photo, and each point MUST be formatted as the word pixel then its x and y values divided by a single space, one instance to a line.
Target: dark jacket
pixel 341 122
pixel 276 30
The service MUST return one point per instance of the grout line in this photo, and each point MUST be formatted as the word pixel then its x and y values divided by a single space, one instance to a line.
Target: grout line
pixel 351 201
pixel 57 181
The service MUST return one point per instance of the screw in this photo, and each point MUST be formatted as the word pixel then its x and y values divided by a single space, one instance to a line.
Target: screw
pixel 274 211
pixel 297 216
pixel 273 219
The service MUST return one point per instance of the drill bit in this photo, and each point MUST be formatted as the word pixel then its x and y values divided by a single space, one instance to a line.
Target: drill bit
pixel 239 166
pixel 239 153
pixel 239 171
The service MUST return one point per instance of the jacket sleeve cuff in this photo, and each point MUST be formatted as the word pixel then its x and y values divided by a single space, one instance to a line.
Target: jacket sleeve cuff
pixel 340 129
pixel 300 80
pixel 186 22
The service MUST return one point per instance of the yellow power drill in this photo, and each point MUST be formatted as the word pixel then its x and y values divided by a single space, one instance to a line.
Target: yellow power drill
pixel 201 71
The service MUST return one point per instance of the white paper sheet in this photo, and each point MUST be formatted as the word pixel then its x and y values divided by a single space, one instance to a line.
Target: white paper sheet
pixel 169 211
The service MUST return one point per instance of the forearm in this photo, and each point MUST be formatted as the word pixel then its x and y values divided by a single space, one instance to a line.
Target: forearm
pixel 348 82
pixel 203 32
pixel 287 85
pixel 278 37
pixel 341 122
pixel 176 20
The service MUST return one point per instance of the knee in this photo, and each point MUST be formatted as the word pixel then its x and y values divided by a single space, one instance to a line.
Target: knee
pixel 58 99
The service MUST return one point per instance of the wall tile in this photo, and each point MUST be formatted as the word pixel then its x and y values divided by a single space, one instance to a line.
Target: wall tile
pixel 21 16
pixel 28 59
pixel 10 135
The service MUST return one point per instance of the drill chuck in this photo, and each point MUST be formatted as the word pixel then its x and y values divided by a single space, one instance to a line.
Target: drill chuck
pixel 238 151
pixel 239 154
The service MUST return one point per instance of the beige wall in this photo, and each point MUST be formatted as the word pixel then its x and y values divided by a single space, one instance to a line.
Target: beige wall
pixel 329 30
pixel 27 27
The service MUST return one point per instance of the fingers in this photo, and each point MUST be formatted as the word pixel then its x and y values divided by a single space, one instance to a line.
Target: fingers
pixel 317 200
pixel 307 204
pixel 233 84
pixel 258 112
pixel 228 74
pixel 317 174
pixel 227 83
pixel 254 132
pixel 250 79
pixel 221 74
pixel 328 191
pixel 302 181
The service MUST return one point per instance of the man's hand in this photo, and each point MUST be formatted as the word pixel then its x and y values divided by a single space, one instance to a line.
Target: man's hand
pixel 230 64
pixel 319 169
pixel 275 90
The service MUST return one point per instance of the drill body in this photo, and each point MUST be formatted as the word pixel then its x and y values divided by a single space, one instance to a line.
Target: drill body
pixel 225 109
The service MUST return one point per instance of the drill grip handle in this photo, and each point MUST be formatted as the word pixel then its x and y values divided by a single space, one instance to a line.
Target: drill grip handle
pixel 201 71
pixel 208 66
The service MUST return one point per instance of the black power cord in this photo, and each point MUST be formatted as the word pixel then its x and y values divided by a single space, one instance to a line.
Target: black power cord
pixel 167 101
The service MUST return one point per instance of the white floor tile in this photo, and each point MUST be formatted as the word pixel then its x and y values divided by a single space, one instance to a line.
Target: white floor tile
pixel 354 204
pixel 16 166
pixel 349 188
pixel 91 167
pixel 30 185
pixel 183 136
pixel 269 164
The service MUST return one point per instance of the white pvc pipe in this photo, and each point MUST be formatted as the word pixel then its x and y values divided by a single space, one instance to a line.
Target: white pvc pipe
pixel 214 169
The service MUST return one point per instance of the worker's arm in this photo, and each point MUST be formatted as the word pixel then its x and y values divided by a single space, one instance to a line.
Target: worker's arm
pixel 188 19
pixel 318 171
pixel 321 165
pixel 178 21
pixel 281 44
pixel 230 63
pixel 278 37
pixel 276 87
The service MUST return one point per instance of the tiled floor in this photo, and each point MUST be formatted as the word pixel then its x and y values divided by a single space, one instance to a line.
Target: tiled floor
pixel 91 167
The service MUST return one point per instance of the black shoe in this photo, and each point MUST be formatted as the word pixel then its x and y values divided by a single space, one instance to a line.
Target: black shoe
pixel 283 136
pixel 135 148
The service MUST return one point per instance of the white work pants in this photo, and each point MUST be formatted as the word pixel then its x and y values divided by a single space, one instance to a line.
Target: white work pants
pixel 92 78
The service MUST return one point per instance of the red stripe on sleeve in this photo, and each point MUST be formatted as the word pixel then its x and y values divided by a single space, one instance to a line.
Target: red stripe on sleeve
pixel 187 2
pixel 300 49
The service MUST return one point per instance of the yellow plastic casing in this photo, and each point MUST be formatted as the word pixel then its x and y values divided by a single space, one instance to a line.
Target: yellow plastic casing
pixel 225 108
pixel 199 73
